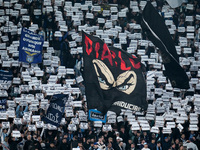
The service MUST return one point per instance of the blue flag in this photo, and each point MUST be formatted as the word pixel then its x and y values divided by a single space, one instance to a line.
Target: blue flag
pixel 3 105
pixel 6 77
pixel 95 115
pixel 56 109
pixel 30 47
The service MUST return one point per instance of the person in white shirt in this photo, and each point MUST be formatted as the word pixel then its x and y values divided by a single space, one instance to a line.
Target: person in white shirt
pixel 190 145
pixel 145 146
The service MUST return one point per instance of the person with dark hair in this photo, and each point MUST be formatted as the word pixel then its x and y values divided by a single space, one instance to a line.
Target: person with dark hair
pixel 158 146
pixel 109 147
pixel 152 145
pixel 65 55
pixel 137 139
pixel 100 142
pixel 123 134
pixel 20 112
pixel 173 146
pixel 128 145
pixel 74 142
pixel 13 142
pixel 86 145
pixel 64 145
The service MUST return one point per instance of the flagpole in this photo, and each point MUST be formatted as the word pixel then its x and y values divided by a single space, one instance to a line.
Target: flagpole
pixel 42 132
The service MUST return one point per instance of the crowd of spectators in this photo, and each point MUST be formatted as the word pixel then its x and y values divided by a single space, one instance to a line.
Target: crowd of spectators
pixel 172 118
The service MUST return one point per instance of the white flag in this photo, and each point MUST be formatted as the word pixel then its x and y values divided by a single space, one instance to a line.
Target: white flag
pixel 175 3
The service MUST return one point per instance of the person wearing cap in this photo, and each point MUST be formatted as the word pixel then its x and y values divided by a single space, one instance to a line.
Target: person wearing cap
pixel 96 146
pixel 166 142
pixel 137 139
pixel 145 146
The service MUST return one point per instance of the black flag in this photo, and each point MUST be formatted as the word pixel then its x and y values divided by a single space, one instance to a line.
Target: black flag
pixel 158 33
pixel 113 78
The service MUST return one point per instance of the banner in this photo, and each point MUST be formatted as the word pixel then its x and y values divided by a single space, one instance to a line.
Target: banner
pixel 56 109
pixel 6 77
pixel 154 26
pixel 3 104
pixel 95 115
pixel 30 47
pixel 113 78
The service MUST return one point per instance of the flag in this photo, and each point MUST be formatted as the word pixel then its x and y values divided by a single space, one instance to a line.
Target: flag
pixel 95 115
pixel 30 47
pixel 175 3
pixel 56 109
pixel 158 33
pixel 3 105
pixel 113 78
pixel 6 77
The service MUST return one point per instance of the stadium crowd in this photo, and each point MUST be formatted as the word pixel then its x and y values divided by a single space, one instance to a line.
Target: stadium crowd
pixel 172 119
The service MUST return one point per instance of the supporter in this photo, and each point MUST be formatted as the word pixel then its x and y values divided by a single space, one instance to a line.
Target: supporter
pixel 183 139
pixel 13 142
pixel 123 134
pixel 86 145
pixel 100 143
pixel 96 147
pixel 190 145
pixel 121 146
pixel 20 112
pixel 65 56
pixel 158 146
pixel 137 139
pixel 109 147
pixel 132 146
pixel 128 145
pixel 145 146
pixel 177 144
pixel 4 134
pixel 152 145
pixel 5 144
pixel 173 146
pixel 28 143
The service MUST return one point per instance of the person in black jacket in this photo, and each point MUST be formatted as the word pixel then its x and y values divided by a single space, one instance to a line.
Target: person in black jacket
pixel 158 146
pixel 28 143
pixel 65 55
pixel 14 141
pixel 166 143
pixel 64 145
pixel 152 145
